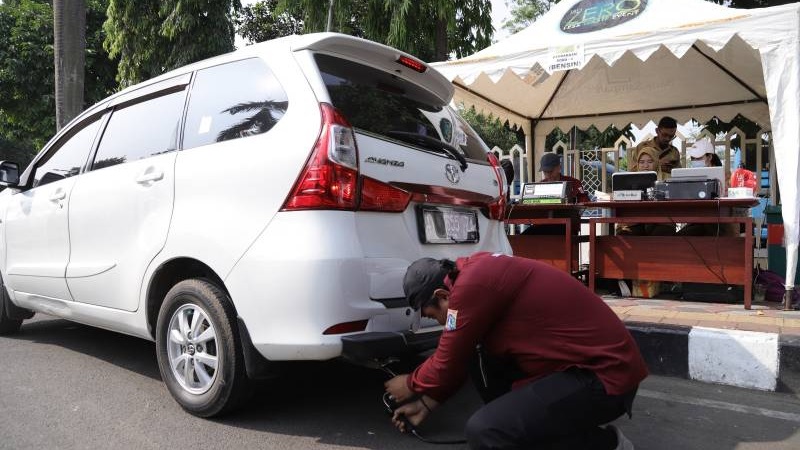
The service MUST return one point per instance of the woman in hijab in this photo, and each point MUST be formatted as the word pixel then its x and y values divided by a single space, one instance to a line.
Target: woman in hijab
pixel 647 160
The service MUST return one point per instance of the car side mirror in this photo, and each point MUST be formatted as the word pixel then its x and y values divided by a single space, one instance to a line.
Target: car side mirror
pixel 9 173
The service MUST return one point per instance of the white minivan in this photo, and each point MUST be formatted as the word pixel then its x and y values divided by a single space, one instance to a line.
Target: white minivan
pixel 254 208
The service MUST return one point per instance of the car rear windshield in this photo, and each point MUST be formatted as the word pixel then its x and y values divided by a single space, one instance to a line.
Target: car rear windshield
pixel 383 105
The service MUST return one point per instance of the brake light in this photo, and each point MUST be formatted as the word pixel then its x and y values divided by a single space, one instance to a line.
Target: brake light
pixel 378 196
pixel 330 178
pixel 347 327
pixel 412 64
pixel 497 208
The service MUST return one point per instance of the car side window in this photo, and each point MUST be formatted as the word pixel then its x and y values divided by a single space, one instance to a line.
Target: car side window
pixel 67 157
pixel 141 130
pixel 232 101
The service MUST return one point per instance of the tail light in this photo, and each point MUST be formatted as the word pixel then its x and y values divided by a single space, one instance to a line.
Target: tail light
pixel 378 196
pixel 330 178
pixel 497 208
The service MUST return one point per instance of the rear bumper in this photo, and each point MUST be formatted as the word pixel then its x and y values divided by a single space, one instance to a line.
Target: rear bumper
pixel 365 348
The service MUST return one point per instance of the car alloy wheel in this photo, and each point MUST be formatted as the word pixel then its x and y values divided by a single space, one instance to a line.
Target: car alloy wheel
pixel 192 349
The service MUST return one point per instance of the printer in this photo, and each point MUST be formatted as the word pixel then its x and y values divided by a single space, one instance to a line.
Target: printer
pixel 687 188
pixel 696 183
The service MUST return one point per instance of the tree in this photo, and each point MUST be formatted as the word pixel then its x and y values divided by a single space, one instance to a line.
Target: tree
pixel 27 108
pixel 69 31
pixel 429 29
pixel 525 12
pixel 154 36
pixel 490 129
pixel 262 21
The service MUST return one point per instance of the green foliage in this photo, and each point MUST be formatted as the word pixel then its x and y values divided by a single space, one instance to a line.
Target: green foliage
pixel 525 12
pixel 588 139
pixel 27 109
pixel 154 36
pixel 429 29
pixel 490 129
pixel 261 21
pixel 27 105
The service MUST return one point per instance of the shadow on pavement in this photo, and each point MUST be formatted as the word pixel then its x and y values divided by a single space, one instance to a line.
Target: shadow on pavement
pixel 128 352
pixel 337 404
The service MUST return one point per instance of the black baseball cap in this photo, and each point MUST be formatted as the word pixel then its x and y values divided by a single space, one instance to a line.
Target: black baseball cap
pixel 423 277
pixel 549 162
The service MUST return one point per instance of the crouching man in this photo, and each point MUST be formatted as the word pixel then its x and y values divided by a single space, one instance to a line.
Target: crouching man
pixel 551 360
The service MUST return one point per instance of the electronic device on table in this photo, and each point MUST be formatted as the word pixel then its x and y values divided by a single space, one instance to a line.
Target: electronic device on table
pixel 544 192
pixel 632 185
pixel 693 183
pixel 699 173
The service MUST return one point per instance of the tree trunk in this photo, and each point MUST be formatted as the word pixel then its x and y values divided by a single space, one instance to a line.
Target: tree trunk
pixel 440 50
pixel 69 38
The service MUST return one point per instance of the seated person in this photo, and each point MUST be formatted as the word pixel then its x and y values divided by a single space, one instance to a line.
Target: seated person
pixel 702 154
pixel 646 160
pixel 550 166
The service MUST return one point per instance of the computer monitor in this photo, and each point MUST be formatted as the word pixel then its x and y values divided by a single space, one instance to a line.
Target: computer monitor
pixel 700 174
pixel 633 181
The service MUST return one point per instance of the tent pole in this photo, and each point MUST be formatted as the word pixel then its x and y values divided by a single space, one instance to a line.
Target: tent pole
pixel 553 95
pixel 530 149
pixel 730 74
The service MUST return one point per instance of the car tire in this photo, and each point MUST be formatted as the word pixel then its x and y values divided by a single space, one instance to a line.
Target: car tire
pixel 198 348
pixel 7 324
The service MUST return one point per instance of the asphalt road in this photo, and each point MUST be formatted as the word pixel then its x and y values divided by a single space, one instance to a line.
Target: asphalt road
pixel 64 385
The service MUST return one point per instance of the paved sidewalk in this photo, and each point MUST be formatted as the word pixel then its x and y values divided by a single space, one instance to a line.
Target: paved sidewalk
pixel 768 317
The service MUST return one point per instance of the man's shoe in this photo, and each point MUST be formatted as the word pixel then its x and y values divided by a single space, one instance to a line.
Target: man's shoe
pixel 623 443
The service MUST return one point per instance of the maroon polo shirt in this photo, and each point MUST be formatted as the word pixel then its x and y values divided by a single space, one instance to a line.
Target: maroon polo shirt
pixel 537 316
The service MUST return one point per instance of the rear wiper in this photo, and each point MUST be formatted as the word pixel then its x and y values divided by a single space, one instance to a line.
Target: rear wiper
pixel 431 143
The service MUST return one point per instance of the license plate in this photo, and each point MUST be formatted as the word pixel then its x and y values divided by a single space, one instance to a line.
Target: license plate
pixel 446 225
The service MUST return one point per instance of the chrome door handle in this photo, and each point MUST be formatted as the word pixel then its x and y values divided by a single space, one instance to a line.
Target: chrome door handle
pixel 58 195
pixel 149 177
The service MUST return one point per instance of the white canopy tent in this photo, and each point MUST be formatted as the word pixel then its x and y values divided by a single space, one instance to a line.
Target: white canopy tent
pixel 628 61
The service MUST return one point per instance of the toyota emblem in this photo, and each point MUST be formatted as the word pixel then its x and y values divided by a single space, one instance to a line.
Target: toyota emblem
pixel 452 173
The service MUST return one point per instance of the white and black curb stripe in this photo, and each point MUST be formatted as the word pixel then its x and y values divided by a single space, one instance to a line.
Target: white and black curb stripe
pixel 748 359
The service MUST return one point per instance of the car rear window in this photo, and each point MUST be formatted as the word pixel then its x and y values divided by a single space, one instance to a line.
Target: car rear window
pixel 382 104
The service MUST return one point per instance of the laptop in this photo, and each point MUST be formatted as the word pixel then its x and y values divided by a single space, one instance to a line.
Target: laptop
pixel 633 181
pixel 699 174
pixel 544 192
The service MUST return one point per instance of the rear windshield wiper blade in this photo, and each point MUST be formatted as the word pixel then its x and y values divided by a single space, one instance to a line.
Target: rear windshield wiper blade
pixel 431 143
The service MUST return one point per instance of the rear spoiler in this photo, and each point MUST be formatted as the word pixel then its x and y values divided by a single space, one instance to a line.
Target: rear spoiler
pixel 379 56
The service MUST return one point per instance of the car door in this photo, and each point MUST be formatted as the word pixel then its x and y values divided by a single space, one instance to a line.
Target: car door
pixel 121 208
pixel 37 232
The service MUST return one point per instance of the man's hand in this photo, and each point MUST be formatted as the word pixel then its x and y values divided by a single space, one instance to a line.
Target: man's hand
pixel 415 412
pixel 666 164
pixel 397 387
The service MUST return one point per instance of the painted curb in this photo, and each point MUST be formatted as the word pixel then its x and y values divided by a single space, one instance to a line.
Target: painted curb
pixel 664 348
pixel 747 359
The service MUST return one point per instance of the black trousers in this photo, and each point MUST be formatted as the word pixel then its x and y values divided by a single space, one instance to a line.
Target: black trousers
pixel 563 410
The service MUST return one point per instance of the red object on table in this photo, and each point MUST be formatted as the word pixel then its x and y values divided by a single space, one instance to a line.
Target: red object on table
pixel 744 178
